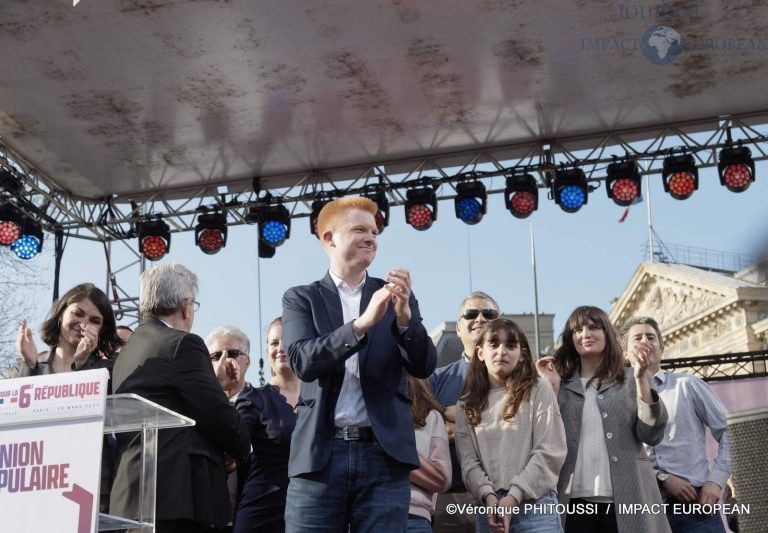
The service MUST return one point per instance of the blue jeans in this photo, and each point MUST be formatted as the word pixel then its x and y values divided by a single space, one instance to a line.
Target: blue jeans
pixel 418 524
pixel 528 520
pixel 694 523
pixel 360 489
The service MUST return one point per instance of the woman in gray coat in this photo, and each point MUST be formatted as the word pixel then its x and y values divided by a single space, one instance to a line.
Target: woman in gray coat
pixel 608 411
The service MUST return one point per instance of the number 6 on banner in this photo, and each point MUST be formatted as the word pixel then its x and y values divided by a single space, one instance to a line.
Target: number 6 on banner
pixel 84 499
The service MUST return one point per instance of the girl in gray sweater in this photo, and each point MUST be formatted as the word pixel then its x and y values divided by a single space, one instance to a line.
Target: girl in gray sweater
pixel 509 435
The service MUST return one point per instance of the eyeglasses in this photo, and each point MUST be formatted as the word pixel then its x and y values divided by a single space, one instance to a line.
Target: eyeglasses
pixel 232 354
pixel 488 314
pixel 196 304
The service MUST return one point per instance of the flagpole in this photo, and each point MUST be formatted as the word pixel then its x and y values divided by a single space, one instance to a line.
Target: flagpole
pixel 535 296
pixel 648 211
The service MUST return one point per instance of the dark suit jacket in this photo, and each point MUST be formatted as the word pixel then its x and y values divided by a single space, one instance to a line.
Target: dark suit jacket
pixel 172 368
pixel 318 343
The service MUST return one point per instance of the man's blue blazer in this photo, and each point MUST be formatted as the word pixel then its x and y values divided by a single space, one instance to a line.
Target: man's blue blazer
pixel 318 342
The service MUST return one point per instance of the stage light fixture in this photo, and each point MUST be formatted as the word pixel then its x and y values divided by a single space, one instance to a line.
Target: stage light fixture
pixel 30 243
pixel 10 181
pixel 382 215
pixel 265 250
pixel 623 183
pixel 521 195
pixel 211 232
pixel 154 239
pixel 274 223
pixel 317 206
pixel 680 176
pixel 736 168
pixel 10 225
pixel 570 189
pixel 471 201
pixel 420 207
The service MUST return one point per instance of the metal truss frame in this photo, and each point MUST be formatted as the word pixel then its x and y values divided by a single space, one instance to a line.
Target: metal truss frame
pixel 722 367
pixel 125 306
pixel 114 218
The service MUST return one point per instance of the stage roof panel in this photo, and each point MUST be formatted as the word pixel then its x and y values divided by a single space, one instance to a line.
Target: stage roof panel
pixel 124 97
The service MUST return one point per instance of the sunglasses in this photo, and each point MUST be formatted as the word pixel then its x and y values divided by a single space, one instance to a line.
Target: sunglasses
pixel 488 314
pixel 232 354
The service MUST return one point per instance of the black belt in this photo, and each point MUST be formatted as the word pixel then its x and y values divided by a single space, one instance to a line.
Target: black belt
pixel 364 434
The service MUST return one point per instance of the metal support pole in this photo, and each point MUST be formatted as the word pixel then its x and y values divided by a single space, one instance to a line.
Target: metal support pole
pixel 535 297
pixel 59 253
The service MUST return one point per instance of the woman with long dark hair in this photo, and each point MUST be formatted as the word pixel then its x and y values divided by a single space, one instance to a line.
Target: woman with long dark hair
pixel 80 333
pixel 434 474
pixel 509 435
pixel 609 411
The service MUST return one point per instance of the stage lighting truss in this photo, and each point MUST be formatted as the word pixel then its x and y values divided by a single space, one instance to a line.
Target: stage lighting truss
pixel 30 242
pixel 471 201
pixel 274 222
pixel 736 168
pixel 680 176
pixel 623 183
pixel 10 181
pixel 317 206
pixel 211 232
pixel 421 207
pixel 154 238
pixel 10 225
pixel 521 195
pixel 378 195
pixel 116 218
pixel 570 189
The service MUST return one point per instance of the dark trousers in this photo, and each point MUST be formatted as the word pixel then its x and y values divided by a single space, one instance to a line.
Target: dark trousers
pixel 178 526
pixel 604 521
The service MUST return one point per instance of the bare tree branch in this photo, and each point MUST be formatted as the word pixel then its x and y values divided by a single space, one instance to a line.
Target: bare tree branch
pixel 25 292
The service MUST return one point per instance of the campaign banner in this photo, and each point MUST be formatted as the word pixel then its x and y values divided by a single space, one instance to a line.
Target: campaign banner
pixel 51 430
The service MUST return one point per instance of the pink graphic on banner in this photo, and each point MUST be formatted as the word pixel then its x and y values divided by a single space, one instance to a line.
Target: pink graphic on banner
pixel 84 499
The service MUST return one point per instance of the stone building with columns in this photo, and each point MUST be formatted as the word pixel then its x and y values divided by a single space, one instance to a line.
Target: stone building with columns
pixel 700 312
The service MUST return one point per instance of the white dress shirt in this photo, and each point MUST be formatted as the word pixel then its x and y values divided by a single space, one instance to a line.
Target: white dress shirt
pixel 350 406
pixel 692 406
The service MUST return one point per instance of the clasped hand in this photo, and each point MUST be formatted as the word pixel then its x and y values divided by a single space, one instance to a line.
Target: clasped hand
pixel 500 523
pixel 398 291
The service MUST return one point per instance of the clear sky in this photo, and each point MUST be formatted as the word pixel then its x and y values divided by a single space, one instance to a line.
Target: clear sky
pixel 582 258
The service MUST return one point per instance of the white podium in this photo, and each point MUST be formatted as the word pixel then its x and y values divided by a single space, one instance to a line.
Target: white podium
pixel 51 435
pixel 128 413
pixel 51 429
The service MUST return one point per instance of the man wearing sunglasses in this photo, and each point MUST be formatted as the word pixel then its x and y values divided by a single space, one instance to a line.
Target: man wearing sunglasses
pixel 447 382
pixel 228 348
